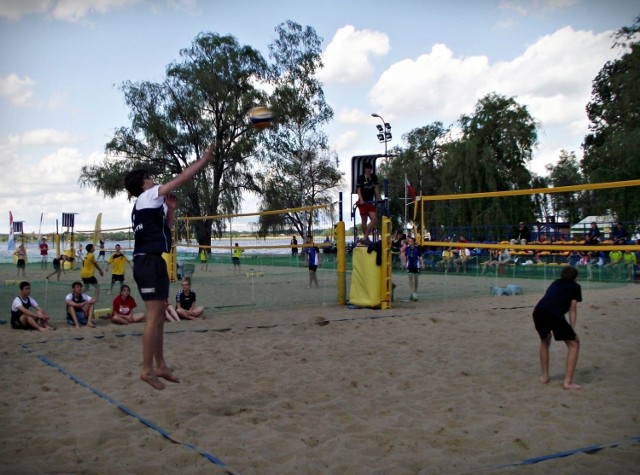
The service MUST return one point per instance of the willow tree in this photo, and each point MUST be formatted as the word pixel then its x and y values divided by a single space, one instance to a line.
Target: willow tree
pixel 203 99
pixel 300 170
pixel 492 154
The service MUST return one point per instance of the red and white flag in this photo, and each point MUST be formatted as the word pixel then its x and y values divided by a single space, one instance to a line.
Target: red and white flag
pixel 410 189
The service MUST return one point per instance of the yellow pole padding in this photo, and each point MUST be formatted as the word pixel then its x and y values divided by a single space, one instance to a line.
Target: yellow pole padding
pixel 386 274
pixel 341 259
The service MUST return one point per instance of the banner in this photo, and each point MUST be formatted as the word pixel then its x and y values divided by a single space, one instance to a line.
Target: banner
pixel 12 239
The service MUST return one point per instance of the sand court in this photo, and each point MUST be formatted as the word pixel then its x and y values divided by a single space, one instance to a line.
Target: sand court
pixel 433 387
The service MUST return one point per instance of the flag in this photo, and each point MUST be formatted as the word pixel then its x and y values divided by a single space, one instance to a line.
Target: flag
pixel 410 190
pixel 12 240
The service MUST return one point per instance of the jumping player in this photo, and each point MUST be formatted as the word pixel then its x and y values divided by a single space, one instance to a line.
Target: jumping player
pixel 152 218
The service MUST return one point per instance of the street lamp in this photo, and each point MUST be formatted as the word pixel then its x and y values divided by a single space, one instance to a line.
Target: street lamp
pixel 384 132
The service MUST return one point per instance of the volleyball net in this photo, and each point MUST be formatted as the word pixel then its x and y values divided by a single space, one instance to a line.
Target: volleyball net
pixel 453 259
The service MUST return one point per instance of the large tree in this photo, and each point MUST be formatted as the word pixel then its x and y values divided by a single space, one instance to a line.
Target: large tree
pixel 492 154
pixel 420 162
pixel 611 147
pixel 203 99
pixel 300 170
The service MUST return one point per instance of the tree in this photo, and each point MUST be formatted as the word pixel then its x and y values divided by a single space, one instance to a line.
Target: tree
pixel 492 153
pixel 614 138
pixel 420 161
pixel 566 172
pixel 300 169
pixel 203 99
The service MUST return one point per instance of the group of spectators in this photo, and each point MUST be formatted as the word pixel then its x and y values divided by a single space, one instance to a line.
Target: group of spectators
pixel 80 305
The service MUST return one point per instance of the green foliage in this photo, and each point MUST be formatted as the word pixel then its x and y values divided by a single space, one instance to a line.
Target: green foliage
pixel 614 138
pixel 299 168
pixel 203 99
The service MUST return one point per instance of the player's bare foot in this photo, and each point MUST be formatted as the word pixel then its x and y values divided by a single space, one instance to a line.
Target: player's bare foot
pixel 153 381
pixel 571 386
pixel 166 374
pixel 544 380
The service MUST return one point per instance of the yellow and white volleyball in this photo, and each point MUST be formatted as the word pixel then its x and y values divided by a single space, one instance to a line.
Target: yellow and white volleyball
pixel 260 117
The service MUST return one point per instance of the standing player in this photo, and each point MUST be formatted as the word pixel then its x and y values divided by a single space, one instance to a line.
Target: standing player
pixel 119 262
pixel 89 264
pixel 312 256
pixel 414 265
pixel 561 297
pixel 368 191
pixel 44 253
pixel 152 218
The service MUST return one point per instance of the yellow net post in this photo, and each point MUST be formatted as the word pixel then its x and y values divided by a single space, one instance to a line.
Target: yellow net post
pixel 341 258
pixel 385 275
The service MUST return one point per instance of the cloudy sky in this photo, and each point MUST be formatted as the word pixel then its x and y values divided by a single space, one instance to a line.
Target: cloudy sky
pixel 411 61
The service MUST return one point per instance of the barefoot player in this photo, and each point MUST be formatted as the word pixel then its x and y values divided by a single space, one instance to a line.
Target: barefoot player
pixel 152 218
pixel 561 297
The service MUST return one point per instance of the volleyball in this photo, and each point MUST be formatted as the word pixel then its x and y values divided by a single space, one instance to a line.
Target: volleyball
pixel 260 117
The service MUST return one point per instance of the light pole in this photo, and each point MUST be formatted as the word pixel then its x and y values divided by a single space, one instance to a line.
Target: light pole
pixel 384 133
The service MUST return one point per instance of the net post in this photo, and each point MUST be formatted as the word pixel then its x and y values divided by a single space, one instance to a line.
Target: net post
pixel 385 275
pixel 341 258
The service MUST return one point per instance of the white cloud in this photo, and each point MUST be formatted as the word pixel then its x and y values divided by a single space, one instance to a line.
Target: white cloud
pixel 345 140
pixel 436 83
pixel 347 59
pixel 53 179
pixel 552 78
pixel 46 137
pixel 16 9
pixel 526 7
pixel 65 10
pixel 18 90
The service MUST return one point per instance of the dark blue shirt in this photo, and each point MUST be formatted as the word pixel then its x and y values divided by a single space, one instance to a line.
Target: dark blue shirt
pixel 557 299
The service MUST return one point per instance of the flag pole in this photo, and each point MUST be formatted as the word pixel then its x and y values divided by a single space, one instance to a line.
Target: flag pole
pixel 405 200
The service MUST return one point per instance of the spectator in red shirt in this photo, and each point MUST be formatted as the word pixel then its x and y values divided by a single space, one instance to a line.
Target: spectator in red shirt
pixel 123 306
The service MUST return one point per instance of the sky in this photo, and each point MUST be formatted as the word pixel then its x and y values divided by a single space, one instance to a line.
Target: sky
pixel 413 62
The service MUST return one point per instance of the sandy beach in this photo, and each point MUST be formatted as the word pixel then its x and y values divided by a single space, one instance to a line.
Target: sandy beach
pixel 447 385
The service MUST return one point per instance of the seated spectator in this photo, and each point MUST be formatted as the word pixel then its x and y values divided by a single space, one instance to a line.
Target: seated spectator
pixel 593 236
pixel 186 302
pixel 619 234
pixel 122 308
pixel 26 314
pixel 460 262
pixel 79 307
pixel 630 261
pixel 493 260
pixel 170 313
pixel 521 235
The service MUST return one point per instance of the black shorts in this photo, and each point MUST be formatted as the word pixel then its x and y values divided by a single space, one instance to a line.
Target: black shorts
pixel 117 278
pixel 235 260
pixel 90 280
pixel 150 273
pixel 16 324
pixel 313 268
pixel 20 263
pixel 101 253
pixel 546 323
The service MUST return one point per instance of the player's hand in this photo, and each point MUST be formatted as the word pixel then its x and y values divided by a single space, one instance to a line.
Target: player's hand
pixel 171 200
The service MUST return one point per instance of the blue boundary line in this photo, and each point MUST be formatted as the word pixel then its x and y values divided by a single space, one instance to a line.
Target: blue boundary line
pixel 125 409
pixel 591 449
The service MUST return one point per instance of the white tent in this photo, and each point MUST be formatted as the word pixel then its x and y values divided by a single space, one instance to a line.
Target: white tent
pixel 605 224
